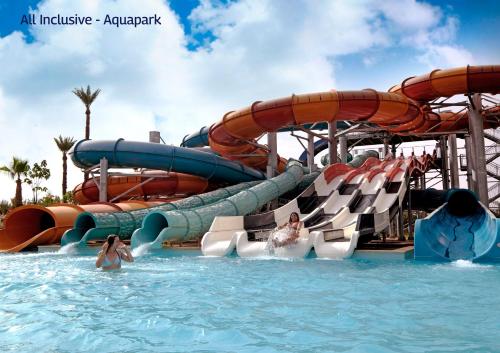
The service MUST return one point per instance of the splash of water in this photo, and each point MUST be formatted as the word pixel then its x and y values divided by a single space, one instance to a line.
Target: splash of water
pixel 68 249
pixel 141 250
pixel 468 264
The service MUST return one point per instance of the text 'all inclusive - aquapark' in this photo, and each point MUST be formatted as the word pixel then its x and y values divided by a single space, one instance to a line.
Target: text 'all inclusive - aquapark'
pixel 227 192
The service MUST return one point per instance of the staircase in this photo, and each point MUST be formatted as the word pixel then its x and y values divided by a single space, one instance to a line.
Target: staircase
pixel 492 168
pixel 492 153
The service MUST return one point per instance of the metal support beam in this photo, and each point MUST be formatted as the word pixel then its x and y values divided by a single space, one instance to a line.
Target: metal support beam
pixel 452 148
pixel 477 134
pixel 103 180
pixel 401 232
pixel 343 148
pixel 471 184
pixel 386 146
pixel 310 153
pixel 444 162
pixel 332 142
pixel 272 159
pixel 118 197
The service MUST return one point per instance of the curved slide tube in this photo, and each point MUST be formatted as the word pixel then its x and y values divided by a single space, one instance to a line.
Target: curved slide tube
pixel 166 184
pixel 33 225
pixel 97 226
pixel 393 111
pixel 461 229
pixel 186 225
pixel 222 237
pixel 200 137
pixel 131 154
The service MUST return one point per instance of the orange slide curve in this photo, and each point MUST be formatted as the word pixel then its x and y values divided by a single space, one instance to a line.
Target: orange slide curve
pixel 165 184
pixel 32 225
pixel 403 110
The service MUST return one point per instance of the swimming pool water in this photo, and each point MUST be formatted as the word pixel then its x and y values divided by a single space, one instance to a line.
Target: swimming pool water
pixel 160 303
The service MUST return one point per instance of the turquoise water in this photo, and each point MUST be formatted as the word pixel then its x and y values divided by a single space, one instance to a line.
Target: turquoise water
pixel 61 303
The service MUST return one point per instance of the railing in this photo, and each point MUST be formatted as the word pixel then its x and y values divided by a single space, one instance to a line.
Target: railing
pixel 493 192
pixel 493 169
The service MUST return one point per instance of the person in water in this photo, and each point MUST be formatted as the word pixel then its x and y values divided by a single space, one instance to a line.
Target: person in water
pixel 287 233
pixel 112 252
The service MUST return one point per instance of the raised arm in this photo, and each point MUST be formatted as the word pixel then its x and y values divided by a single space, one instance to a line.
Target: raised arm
pixel 125 253
pixel 101 255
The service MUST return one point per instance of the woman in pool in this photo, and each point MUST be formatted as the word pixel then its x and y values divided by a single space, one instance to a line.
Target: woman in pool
pixel 112 252
pixel 287 233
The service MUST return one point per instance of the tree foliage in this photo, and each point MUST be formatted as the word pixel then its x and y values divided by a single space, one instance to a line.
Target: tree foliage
pixel 35 177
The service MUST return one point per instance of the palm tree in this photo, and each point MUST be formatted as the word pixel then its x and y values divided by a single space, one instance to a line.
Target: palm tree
pixel 87 97
pixel 18 168
pixel 64 144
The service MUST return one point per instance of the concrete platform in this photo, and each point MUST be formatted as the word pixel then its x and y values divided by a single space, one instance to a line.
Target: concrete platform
pixel 404 253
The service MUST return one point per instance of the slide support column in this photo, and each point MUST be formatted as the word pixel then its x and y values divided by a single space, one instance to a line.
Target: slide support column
pixel 332 142
pixel 272 159
pixel 476 129
pixel 343 148
pixel 310 153
pixel 444 162
pixel 469 159
pixel 154 137
pixel 103 180
pixel 452 145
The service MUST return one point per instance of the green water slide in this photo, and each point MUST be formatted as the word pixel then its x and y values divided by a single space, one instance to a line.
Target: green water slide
pixel 162 225
pixel 96 226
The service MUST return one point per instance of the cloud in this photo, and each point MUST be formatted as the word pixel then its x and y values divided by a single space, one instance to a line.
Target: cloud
pixel 150 80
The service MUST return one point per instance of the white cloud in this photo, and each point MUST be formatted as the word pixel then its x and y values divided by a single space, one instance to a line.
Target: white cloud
pixel 262 49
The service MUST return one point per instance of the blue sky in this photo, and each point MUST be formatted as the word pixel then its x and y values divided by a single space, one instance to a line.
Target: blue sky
pixel 210 57
pixel 478 29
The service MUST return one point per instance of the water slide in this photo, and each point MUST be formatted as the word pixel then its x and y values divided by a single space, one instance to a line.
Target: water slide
pixel 403 110
pixel 132 154
pixel 32 225
pixel 221 239
pixel 461 229
pixel 94 226
pixel 145 183
pixel 161 226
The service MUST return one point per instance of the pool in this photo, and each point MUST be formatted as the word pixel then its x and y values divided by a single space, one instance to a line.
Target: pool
pixel 61 303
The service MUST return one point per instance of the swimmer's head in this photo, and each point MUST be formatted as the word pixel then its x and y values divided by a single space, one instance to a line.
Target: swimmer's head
pixel 111 240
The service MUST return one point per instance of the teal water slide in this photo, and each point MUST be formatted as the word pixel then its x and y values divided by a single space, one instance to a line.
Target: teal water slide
pixel 461 229
pixel 131 154
pixel 159 226
pixel 94 226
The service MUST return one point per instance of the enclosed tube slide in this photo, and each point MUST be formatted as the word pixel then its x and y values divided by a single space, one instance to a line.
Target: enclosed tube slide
pixel 163 183
pixel 399 111
pixel 97 226
pixel 160 226
pixel 131 154
pixel 461 229
pixel 33 225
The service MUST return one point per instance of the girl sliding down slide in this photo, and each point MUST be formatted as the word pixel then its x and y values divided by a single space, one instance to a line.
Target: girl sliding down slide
pixel 288 233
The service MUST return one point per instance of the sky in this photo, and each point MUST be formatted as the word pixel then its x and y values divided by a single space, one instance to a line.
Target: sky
pixel 211 57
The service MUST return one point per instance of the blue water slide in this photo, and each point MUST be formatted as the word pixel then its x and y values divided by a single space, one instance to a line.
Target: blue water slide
pixel 200 137
pixel 461 229
pixel 132 154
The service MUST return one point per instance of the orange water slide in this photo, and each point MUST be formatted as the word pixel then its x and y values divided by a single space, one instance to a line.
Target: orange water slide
pixel 162 183
pixel 401 111
pixel 32 225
